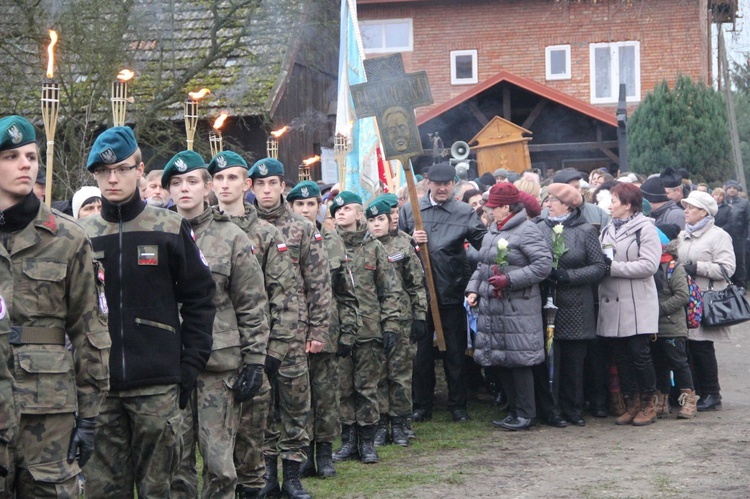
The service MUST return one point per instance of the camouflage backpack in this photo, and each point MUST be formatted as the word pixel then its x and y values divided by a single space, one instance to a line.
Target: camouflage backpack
pixel 694 308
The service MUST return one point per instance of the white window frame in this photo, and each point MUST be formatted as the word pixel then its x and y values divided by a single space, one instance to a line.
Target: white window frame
pixel 475 70
pixel 548 62
pixel 390 50
pixel 615 72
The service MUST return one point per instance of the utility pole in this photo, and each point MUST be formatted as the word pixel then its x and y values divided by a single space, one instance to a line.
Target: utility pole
pixel 739 169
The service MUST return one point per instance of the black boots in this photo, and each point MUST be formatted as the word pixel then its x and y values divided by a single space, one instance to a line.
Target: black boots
pixel 271 488
pixel 348 448
pixel 247 493
pixel 710 402
pixel 324 459
pixel 399 433
pixel 307 469
pixel 381 433
pixel 292 487
pixel 421 415
pixel 367 452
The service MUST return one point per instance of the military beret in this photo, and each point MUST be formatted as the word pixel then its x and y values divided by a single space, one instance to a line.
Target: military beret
pixel 41 176
pixel 112 146
pixel 671 178
pixel 267 167
pixel 226 159
pixel 15 131
pixel 344 198
pixel 304 190
pixel 442 172
pixel 389 198
pixel 379 206
pixel 182 162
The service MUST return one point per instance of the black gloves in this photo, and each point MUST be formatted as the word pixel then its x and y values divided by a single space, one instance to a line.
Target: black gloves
pixel 344 350
pixel 418 331
pixel 187 382
pixel 691 268
pixel 82 441
pixel 389 341
pixel 248 382
pixel 608 264
pixel 272 367
pixel 559 275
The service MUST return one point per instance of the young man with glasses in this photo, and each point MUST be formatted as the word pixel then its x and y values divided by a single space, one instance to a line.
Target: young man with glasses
pixel 158 347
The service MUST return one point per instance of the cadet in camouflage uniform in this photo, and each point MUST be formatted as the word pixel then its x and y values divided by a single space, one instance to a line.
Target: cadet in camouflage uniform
pixel 52 288
pixel 230 181
pixel 323 426
pixel 305 246
pixel 394 390
pixel 234 372
pixel 8 421
pixel 377 288
pixel 161 313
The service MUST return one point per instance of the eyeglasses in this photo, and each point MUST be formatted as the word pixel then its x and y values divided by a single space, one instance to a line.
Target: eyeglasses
pixel 120 171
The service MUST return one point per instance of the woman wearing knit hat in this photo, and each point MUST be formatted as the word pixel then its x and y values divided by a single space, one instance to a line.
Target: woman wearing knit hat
pixel 506 290
pixel 87 201
pixel 570 283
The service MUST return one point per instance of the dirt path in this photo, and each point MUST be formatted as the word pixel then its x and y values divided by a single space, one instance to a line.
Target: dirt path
pixel 706 457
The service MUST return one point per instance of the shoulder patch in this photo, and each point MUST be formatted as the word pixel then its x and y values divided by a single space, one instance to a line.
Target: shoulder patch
pixel 192 234
pixel 281 247
pixel 252 249
pixel 50 223
pixel 369 267
pixel 318 237
pixel 416 248
pixel 395 257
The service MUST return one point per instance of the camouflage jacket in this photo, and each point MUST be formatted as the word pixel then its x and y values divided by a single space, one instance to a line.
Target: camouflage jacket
pixel 345 321
pixel 375 283
pixel 305 246
pixel 280 278
pixel 52 285
pixel 241 326
pixel 409 270
pixel 8 421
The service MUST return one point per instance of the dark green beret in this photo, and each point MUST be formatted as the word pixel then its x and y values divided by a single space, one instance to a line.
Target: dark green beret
pixel 15 131
pixel 389 198
pixel 344 198
pixel 304 190
pixel 226 159
pixel 267 167
pixel 182 162
pixel 114 145
pixel 378 207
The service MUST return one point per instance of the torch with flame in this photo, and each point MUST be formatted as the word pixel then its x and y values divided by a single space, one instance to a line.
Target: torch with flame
pixel 120 97
pixel 214 136
pixel 191 114
pixel 50 111
pixel 272 143
pixel 304 168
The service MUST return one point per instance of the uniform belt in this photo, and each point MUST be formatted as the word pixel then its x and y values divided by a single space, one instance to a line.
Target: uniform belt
pixel 25 335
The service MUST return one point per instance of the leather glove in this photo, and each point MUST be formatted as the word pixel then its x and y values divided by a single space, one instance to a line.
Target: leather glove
pixel 691 268
pixel 82 441
pixel 344 350
pixel 389 341
pixel 498 283
pixel 418 331
pixel 608 264
pixel 272 366
pixel 559 275
pixel 248 382
pixel 187 383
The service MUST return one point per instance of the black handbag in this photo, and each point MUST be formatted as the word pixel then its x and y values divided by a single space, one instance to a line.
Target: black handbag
pixel 724 307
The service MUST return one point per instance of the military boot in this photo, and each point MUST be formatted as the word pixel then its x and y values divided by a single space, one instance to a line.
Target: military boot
pixel 247 493
pixel 398 433
pixel 348 448
pixel 632 405
pixel 324 459
pixel 688 404
pixel 381 433
pixel 367 452
pixel 292 487
pixel 647 413
pixel 307 469
pixel 662 404
pixel 409 429
pixel 271 488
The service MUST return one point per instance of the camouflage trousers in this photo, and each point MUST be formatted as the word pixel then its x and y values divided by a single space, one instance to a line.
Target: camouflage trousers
pixel 292 389
pixel 137 444
pixel 394 388
pixel 248 447
pixel 211 419
pixel 359 375
pixel 323 424
pixel 39 458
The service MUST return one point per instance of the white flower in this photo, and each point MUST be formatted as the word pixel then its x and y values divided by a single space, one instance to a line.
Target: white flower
pixel 558 229
pixel 502 244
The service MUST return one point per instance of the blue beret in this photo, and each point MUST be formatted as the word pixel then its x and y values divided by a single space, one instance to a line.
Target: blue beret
pixel 15 131
pixel 304 190
pixel 344 198
pixel 267 167
pixel 114 145
pixel 226 159
pixel 182 162
pixel 379 206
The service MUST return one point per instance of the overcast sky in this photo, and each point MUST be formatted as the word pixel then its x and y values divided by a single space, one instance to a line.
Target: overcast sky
pixel 738 41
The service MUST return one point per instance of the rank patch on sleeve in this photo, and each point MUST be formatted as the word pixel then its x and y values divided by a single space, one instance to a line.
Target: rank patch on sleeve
pixel 148 255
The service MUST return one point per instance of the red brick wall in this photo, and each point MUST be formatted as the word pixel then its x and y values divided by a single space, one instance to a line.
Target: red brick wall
pixel 512 35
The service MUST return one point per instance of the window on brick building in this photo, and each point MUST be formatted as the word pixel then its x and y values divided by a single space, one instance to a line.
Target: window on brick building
pixel 612 64
pixel 383 36
pixel 558 62
pixel 464 67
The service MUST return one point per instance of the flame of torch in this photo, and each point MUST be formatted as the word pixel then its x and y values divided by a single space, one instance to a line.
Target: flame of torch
pixel 220 121
pixel 51 53
pixel 125 75
pixel 196 96
pixel 310 161
pixel 278 133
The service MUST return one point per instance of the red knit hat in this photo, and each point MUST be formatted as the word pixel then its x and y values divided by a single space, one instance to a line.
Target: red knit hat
pixel 530 203
pixel 502 194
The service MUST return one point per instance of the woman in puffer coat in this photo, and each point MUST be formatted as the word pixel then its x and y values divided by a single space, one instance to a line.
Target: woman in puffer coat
pixel 705 250
pixel 510 333
pixel 628 301
pixel 580 267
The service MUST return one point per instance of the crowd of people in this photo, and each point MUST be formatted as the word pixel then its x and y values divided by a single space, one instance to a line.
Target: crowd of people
pixel 213 305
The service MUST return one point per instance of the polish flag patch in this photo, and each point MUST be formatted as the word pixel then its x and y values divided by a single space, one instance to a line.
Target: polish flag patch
pixel 318 237
pixel 281 247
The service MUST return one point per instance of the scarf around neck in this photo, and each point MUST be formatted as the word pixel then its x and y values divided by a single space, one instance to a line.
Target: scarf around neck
pixel 696 227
